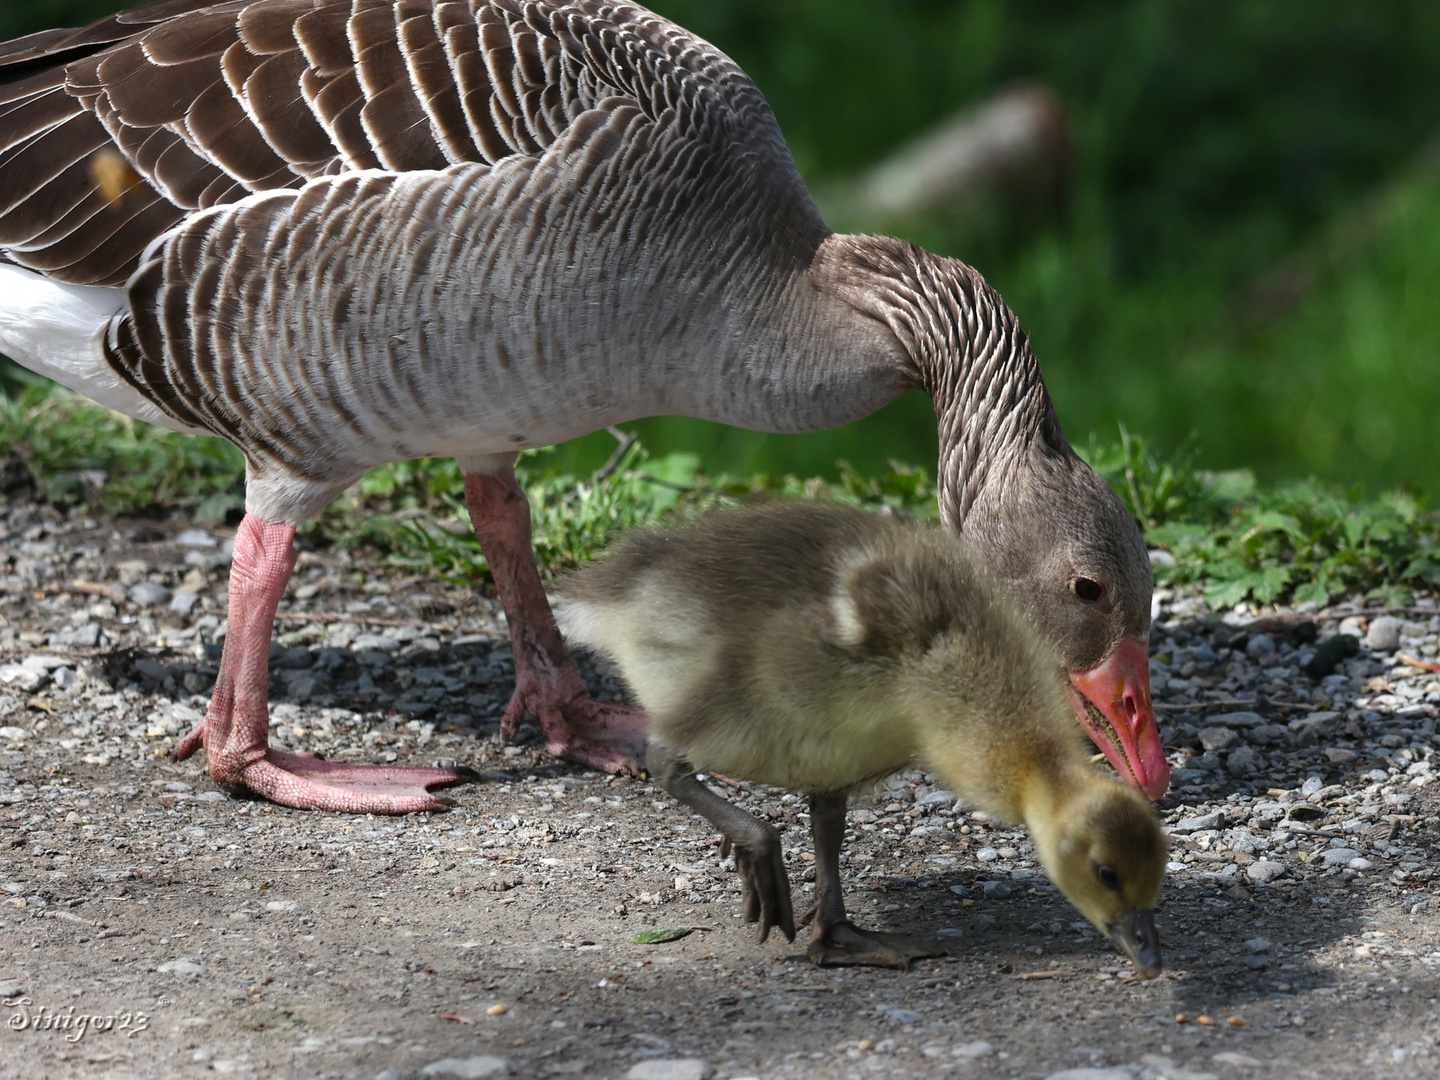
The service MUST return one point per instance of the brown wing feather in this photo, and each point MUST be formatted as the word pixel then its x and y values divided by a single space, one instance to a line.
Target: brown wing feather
pixel 208 102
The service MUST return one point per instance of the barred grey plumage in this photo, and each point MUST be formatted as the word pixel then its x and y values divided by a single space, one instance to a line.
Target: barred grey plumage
pixel 345 232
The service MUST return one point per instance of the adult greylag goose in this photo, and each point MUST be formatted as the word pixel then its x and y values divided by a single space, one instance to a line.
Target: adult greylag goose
pixel 346 232
pixel 819 648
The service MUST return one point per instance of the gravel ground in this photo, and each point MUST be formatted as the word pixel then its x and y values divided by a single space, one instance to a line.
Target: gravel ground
pixel 213 934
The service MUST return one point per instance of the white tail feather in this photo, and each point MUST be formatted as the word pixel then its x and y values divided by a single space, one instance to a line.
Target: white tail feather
pixel 58 331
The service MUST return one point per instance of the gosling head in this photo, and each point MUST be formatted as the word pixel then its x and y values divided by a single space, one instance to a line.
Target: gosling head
pixel 1107 855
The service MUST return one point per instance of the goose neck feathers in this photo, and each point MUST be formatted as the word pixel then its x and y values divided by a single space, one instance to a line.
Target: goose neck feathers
pixel 964 347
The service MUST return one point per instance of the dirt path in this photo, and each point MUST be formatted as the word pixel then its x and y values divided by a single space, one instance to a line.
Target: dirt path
pixel 237 937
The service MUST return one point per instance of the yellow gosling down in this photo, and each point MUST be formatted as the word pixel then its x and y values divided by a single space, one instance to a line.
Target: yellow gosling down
pixel 820 649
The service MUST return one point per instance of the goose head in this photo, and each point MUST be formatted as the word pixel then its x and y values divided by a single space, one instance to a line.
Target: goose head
pixel 1071 553
pixel 1010 484
pixel 1104 849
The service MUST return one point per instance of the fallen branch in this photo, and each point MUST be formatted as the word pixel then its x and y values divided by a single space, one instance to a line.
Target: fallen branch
pixel 411 624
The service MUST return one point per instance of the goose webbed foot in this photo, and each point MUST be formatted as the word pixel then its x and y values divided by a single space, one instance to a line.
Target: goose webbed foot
pixel 765 887
pixel 602 735
pixel 236 730
pixel 843 944
pixel 306 782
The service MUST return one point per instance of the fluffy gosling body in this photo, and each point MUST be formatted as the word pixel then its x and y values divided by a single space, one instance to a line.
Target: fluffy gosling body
pixel 821 648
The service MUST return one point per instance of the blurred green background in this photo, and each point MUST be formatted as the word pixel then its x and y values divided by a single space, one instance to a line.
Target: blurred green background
pixel 1246 260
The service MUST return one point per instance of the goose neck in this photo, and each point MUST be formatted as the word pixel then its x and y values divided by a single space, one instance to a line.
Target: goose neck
pixel 964 347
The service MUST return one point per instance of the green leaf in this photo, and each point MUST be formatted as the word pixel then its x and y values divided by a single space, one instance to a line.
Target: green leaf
pixel 661 935
pixel 1312 592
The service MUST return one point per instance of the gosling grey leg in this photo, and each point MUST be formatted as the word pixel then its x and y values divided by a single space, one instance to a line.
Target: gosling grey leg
pixel 758 856
pixel 835 940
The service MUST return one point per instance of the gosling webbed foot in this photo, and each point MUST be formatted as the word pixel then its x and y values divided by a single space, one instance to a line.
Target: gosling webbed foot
pixel 845 945
pixel 763 882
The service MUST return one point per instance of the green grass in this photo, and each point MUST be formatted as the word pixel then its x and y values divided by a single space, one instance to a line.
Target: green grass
pixel 1232 539
pixel 1306 542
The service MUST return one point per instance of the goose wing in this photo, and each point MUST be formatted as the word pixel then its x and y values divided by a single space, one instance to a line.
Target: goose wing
pixel 111 135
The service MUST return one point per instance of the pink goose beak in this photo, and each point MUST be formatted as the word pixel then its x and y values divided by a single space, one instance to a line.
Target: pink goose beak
pixel 1112 703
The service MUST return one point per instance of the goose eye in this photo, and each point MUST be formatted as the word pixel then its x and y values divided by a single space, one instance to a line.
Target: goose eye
pixel 1108 877
pixel 1088 590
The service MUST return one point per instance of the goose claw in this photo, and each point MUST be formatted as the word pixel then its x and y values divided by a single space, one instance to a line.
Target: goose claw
pixel 764 884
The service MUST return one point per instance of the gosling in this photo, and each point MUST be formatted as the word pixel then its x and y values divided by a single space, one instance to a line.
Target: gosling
pixel 822 648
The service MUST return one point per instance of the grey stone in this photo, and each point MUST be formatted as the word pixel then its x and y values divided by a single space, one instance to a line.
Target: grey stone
pixel 995 890
pixel 1311 786
pixel 81 637
pixel 1338 856
pixel 937 798
pixel 304 685
pixel 183 966
pixel 21 677
pixel 1238 720
pixel 977 1049
pixel 1264 871
pixel 196 538
pixel 672 1069
pixel 1091 1073
pixel 1308 730
pixel 132 571
pixel 1218 738
pixel 1260 645
pixel 471 1068
pixel 374 643
pixel 64 678
pixel 1384 634
pixel 148 594
pixel 1244 760
pixel 1236 1059
pixel 43 662
pixel 212 796
pixel 151 671
pixel 1259 945
pixel 1201 823
pixel 183 602
pixel 1269 735
pixel 1360 863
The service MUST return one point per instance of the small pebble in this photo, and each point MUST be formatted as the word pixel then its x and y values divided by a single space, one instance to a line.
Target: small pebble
pixel 497 1010
pixel 977 1049
pixel 672 1069
pixel 148 594
pixel 1236 1059
pixel 471 1068
pixel 1384 634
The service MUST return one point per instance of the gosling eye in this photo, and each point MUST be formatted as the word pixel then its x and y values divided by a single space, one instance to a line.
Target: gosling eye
pixel 1088 590
pixel 1108 877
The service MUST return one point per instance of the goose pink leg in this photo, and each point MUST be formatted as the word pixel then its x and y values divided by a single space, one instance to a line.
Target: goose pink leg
pixel 601 735
pixel 236 730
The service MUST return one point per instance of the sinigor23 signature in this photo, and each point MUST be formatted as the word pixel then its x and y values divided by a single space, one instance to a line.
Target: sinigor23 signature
pixel 25 1015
